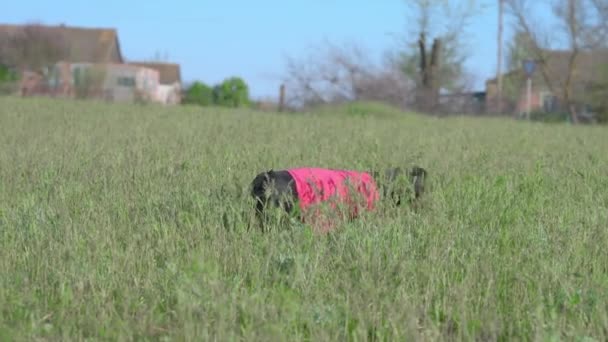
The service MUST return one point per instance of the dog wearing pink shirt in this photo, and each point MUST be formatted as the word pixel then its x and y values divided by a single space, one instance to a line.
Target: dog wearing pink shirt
pixel 308 192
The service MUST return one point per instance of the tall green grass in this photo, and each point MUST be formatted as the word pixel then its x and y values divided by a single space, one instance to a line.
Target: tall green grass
pixel 130 222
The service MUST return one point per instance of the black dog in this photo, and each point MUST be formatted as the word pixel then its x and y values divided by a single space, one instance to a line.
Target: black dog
pixel 278 188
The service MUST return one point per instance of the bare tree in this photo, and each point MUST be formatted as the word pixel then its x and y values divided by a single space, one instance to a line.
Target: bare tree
pixel 389 85
pixel 580 26
pixel 595 34
pixel 518 49
pixel 337 74
pixel 442 65
pixel 32 46
pixel 411 76
pixel 428 89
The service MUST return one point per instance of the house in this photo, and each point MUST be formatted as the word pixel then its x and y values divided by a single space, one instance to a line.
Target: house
pixel 115 82
pixel 53 44
pixel 591 67
pixel 169 90
pixel 84 62
pixel 105 81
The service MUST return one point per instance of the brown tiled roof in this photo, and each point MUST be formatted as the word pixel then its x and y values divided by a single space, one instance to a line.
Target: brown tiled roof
pixel 169 72
pixel 590 66
pixel 95 45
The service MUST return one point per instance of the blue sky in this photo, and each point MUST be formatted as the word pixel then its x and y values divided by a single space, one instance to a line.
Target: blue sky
pixel 213 40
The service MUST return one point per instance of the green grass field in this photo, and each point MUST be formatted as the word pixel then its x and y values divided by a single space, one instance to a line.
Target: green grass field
pixel 126 222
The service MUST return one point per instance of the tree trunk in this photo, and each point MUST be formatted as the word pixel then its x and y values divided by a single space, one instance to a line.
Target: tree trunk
pixel 568 97
pixel 434 73
pixel 282 98
pixel 429 86
pixel 499 59
pixel 573 113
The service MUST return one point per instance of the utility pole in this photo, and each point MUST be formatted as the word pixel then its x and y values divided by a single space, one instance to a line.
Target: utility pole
pixel 529 67
pixel 499 59
pixel 282 98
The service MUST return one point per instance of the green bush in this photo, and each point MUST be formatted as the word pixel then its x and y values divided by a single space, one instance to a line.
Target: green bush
pixel 232 92
pixel 8 80
pixel 7 74
pixel 199 93
pixel 548 117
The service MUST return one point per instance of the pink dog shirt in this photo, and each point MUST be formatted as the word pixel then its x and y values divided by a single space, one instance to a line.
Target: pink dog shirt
pixel 317 185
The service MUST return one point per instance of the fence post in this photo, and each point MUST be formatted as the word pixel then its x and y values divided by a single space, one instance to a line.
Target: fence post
pixel 282 98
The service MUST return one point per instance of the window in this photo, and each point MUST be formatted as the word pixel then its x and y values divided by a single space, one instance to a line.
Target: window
pixel 126 81
pixel 549 102
pixel 53 77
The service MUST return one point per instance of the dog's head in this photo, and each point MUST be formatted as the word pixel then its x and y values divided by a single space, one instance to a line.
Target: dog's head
pixel 397 184
pixel 273 187
pixel 272 190
pixel 259 183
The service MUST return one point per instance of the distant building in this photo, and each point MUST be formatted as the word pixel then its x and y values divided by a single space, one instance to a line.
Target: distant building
pixel 170 87
pixel 110 82
pixel 85 62
pixel 591 67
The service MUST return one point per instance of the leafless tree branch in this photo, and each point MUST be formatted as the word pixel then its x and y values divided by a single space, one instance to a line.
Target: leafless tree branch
pixel 31 47
pixel 343 73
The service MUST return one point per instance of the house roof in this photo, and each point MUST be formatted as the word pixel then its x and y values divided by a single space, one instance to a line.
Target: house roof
pixel 95 45
pixel 169 72
pixel 590 66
